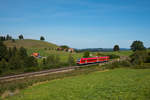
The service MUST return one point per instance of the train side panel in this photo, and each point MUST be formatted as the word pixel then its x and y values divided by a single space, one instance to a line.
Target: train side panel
pixel 93 60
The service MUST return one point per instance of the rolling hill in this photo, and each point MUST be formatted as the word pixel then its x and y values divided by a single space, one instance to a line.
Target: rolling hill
pixel 29 43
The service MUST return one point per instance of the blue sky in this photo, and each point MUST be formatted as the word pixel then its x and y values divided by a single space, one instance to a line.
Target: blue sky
pixel 78 23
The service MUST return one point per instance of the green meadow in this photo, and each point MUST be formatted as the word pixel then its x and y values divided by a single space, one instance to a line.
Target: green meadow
pixel 62 54
pixel 117 84
pixel 45 49
pixel 120 53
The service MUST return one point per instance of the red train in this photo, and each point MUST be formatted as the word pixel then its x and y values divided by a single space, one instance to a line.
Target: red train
pixel 92 60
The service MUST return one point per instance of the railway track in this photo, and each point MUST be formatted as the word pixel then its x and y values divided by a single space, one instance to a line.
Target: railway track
pixel 39 73
pixel 51 71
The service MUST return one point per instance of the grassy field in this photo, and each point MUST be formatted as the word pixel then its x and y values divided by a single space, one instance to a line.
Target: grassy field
pixel 29 43
pixel 117 84
pixel 44 48
pixel 63 55
pixel 119 53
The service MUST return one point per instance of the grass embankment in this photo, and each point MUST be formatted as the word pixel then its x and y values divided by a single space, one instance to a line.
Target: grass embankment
pixel 117 84
pixel 28 81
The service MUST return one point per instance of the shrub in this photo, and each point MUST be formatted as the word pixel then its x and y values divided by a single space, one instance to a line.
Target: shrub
pixel 71 60
pixel 52 61
pixel 125 63
pixel 147 59
pixel 86 54
pixel 117 65
pixel 138 57
pixel 113 56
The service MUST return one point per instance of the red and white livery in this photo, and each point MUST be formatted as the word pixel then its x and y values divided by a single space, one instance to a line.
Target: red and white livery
pixel 92 60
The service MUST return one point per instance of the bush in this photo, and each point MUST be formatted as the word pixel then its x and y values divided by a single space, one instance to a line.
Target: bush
pixel 52 61
pixel 113 56
pixel 147 59
pixel 86 54
pixel 138 57
pixel 30 62
pixel 71 60
pixel 125 63
pixel 3 66
pixel 117 65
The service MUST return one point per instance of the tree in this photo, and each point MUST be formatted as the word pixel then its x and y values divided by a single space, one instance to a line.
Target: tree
pixel 8 37
pixel 3 50
pixel 21 37
pixel 3 66
pixel 64 47
pixel 22 52
pixel 116 48
pixel 98 54
pixel 30 62
pixel 137 45
pixel 13 40
pixel 42 38
pixel 9 53
pixel 139 57
pixel 86 54
pixel 2 38
pixel 14 51
pixel 16 63
pixel 52 61
pixel 44 61
pixel 71 60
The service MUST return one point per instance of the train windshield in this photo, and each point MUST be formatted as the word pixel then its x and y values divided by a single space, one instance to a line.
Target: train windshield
pixel 78 60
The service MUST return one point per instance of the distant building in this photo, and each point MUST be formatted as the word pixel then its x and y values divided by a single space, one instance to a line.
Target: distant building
pixel 59 49
pixel 36 55
pixel 70 50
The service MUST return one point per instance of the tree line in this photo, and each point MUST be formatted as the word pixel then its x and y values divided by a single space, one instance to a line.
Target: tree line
pixel 140 54
pixel 20 37
pixel 16 59
pixel 13 59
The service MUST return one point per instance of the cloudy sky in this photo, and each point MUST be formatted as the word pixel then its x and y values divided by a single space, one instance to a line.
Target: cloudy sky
pixel 78 23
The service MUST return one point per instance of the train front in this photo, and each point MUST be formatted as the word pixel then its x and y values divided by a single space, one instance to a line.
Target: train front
pixel 78 61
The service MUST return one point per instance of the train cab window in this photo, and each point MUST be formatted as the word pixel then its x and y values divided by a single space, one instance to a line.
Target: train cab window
pixel 78 60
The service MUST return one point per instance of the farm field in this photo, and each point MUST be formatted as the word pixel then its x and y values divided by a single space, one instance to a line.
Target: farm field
pixel 117 84
pixel 45 49
pixel 62 54
pixel 119 53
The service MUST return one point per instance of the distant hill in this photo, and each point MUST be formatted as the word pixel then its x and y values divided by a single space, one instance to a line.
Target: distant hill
pixel 100 49
pixel 29 43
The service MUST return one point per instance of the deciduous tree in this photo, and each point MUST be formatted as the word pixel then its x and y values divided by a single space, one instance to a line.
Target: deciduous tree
pixel 42 38
pixel 71 60
pixel 137 45
pixel 116 48
pixel 21 37
pixel 86 54
pixel 3 50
